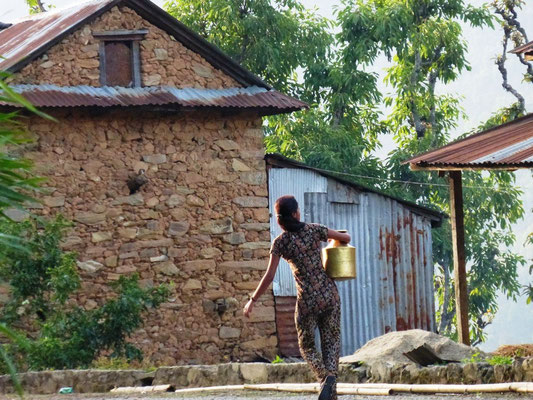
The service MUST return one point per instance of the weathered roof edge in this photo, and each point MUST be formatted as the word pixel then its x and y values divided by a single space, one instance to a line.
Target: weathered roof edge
pixel 265 101
pixel 56 39
pixel 436 217
pixel 522 48
pixel 171 25
pixel 418 159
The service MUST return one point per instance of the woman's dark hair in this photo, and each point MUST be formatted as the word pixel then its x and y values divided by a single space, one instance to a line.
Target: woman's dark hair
pixel 286 206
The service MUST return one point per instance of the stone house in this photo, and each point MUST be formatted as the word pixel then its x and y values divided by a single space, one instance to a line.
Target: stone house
pixel 133 89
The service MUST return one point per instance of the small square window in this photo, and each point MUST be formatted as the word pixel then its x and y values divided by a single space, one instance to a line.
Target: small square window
pixel 120 63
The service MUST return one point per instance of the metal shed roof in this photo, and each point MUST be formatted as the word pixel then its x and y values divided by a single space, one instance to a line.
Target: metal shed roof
pixel 525 48
pixel 87 96
pixel 32 36
pixel 508 146
pixel 277 160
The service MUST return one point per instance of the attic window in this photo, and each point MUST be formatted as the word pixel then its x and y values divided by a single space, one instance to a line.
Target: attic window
pixel 120 63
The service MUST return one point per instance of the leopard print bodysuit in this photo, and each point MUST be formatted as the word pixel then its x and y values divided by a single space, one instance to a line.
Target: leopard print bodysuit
pixel 318 301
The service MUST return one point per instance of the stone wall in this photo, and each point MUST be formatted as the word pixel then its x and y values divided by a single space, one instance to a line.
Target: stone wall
pixel 94 381
pixel 200 223
pixel 164 61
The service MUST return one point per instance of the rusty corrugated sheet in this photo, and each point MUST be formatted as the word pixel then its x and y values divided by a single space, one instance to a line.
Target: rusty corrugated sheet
pixel 525 48
pixel 394 285
pixel 286 327
pixel 86 96
pixel 26 36
pixel 506 146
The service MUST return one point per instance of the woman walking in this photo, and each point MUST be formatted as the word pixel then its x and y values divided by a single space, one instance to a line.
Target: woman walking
pixel 318 302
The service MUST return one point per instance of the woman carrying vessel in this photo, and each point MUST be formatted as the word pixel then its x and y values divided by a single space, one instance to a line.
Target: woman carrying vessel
pixel 318 302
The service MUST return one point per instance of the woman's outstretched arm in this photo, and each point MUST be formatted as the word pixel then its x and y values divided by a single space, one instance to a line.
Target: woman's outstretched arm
pixel 264 284
pixel 341 236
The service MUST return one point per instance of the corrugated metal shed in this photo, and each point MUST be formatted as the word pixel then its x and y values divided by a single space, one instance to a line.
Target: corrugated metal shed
pixel 394 286
pixel 87 96
pixel 32 36
pixel 508 146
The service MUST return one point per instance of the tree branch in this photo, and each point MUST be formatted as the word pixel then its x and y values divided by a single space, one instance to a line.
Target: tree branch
pixel 500 62
pixel 420 127
pixel 40 6
pixel 510 17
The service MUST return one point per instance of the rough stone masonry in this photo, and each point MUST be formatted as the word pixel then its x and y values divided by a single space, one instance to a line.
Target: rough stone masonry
pixel 201 221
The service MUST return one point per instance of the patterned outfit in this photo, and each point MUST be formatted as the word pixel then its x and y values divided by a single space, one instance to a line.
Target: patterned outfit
pixel 318 302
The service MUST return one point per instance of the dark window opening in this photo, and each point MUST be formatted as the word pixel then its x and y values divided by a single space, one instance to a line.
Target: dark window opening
pixel 120 63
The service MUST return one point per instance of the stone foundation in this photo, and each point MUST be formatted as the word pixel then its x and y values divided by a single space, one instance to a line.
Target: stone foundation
pixel 99 381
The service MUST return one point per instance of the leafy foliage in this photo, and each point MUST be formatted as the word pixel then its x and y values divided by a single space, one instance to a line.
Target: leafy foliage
pixel 528 289
pixel 43 279
pixel 16 183
pixel 37 6
pixel 15 179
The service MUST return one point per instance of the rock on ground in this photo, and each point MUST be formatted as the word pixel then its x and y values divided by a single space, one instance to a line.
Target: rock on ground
pixel 391 346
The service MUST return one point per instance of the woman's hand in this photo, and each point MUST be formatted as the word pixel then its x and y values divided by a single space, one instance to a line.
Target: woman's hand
pixel 248 308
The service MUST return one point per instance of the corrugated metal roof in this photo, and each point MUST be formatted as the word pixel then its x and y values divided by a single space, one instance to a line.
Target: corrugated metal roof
pixel 31 37
pixel 508 146
pixel 278 160
pixel 525 48
pixel 26 36
pixel 88 96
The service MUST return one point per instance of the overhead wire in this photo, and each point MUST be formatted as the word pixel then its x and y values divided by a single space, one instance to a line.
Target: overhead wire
pixel 499 189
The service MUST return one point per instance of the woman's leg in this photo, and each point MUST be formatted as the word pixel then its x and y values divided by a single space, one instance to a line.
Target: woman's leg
pixel 329 325
pixel 306 324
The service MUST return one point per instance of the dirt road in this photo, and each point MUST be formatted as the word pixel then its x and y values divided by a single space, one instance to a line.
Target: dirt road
pixel 271 395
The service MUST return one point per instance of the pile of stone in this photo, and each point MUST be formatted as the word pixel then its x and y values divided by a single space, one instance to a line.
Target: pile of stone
pixel 390 348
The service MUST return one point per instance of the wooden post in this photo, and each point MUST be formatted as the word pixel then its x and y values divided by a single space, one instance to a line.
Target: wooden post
pixel 459 259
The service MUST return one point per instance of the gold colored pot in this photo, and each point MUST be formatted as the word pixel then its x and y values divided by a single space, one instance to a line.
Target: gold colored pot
pixel 339 260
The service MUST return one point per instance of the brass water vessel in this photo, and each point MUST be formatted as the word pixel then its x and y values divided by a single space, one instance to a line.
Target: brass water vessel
pixel 339 260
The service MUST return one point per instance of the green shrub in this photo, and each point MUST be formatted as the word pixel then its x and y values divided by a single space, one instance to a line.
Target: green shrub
pixel 500 360
pixel 278 360
pixel 475 358
pixel 55 333
pixel 492 360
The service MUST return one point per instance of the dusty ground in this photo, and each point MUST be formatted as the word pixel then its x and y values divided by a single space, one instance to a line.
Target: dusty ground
pixel 273 395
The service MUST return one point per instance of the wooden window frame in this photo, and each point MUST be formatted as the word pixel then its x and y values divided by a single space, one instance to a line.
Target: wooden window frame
pixel 134 37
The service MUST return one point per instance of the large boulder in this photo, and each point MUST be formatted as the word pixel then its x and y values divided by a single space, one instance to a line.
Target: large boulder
pixel 390 347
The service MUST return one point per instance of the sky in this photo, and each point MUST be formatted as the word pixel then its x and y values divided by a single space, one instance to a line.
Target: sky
pixel 482 95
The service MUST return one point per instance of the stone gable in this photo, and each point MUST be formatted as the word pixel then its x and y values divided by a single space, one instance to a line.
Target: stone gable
pixel 164 61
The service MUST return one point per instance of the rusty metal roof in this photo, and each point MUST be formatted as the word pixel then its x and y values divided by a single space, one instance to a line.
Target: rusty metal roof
pixel 32 36
pixel 88 96
pixel 23 41
pixel 525 48
pixel 508 146
pixel 278 161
